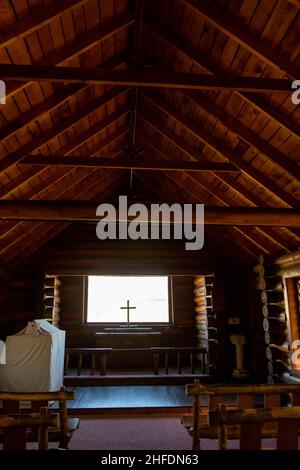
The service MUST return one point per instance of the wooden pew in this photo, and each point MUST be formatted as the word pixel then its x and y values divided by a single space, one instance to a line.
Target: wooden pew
pixel 15 428
pixel 197 424
pixel 12 401
pixel 250 422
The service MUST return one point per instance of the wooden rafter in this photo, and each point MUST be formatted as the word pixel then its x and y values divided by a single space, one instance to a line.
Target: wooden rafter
pixel 20 251
pixel 75 144
pixel 52 103
pixel 239 33
pixel 206 63
pixel 89 108
pixel 61 176
pixel 83 43
pixel 220 195
pixel 37 20
pixel 247 135
pixel 226 152
pixel 170 194
pixel 142 78
pixel 295 2
pixel 125 163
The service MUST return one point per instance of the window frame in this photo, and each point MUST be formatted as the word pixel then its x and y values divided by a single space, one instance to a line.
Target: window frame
pixel 293 313
pixel 124 324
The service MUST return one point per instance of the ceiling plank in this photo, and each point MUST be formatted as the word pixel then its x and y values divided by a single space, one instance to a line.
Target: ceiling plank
pixel 202 60
pixel 82 44
pixel 222 197
pixel 43 139
pixel 143 78
pixel 170 195
pixel 247 135
pixel 238 32
pixel 125 163
pixel 55 178
pixel 50 104
pixel 85 211
pixel 25 246
pixel 75 144
pixel 225 151
pixel 295 2
pixel 37 20
pixel 230 181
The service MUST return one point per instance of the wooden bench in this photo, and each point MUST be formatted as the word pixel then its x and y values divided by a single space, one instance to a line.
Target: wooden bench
pixel 11 404
pixel 15 428
pixel 242 396
pixel 251 421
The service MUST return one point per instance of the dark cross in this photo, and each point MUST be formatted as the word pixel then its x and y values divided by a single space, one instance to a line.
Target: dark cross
pixel 128 308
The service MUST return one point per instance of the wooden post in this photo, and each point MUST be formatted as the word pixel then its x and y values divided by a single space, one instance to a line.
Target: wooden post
pixel 79 366
pixel 63 416
pixel 196 439
pixel 67 360
pixel 93 363
pixel 179 362
pixel 156 357
pixel 43 431
pixel 103 363
pixel 167 362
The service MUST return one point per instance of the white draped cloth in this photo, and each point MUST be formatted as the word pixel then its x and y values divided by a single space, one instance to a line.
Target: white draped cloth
pixel 2 353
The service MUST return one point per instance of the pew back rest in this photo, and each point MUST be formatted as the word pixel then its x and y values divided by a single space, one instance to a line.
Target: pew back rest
pixel 15 428
pixel 251 423
pixel 12 404
pixel 245 396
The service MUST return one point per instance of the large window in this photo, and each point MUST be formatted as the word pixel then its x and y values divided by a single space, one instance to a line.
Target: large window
pixel 127 300
pixel 293 298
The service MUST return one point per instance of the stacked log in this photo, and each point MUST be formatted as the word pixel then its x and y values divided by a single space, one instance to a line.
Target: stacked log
pixel 52 299
pixel 274 320
pixel 205 319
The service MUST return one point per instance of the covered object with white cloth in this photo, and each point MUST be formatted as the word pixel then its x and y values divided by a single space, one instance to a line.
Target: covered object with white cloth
pixel 34 359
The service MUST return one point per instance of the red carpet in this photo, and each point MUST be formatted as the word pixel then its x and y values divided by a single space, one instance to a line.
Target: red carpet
pixel 137 434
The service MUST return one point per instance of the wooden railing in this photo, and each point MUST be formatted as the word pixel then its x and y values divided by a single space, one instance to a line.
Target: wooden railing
pixel 98 357
pixel 198 426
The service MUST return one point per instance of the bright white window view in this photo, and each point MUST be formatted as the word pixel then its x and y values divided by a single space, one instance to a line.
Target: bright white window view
pixel 127 299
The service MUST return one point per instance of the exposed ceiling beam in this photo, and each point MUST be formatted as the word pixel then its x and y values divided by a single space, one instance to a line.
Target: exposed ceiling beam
pixel 170 193
pixel 74 144
pixel 25 246
pixel 73 119
pixel 247 135
pixel 82 44
pixel 225 151
pixel 220 195
pixel 190 153
pixel 85 211
pixel 142 78
pixel 37 20
pixel 125 163
pixel 239 32
pixel 206 63
pixel 50 104
pixel 60 177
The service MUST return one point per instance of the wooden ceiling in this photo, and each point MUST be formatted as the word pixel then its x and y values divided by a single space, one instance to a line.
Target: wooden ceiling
pixel 205 84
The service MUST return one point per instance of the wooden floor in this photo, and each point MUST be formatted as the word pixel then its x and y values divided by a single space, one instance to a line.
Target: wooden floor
pixel 129 397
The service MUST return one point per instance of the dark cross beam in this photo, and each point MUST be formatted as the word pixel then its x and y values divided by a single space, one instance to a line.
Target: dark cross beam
pixel 85 211
pixel 120 162
pixel 142 78
pixel 128 308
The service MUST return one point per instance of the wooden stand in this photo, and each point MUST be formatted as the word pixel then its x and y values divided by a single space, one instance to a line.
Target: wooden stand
pixel 239 340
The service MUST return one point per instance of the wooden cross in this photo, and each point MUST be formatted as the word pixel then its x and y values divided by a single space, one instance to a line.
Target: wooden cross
pixel 128 308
